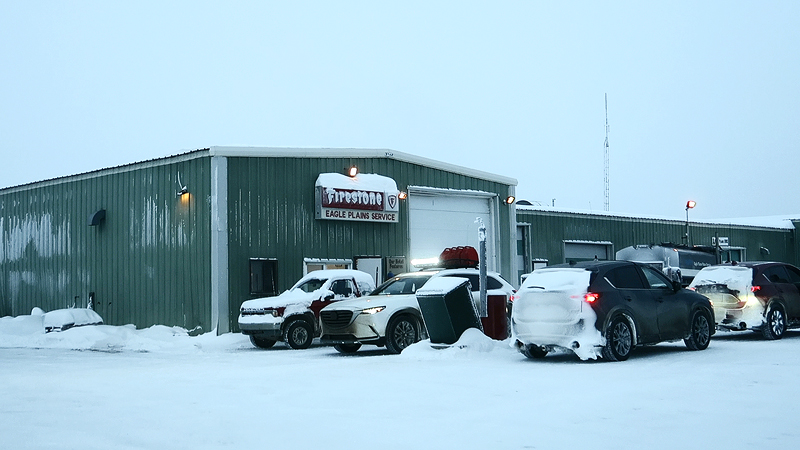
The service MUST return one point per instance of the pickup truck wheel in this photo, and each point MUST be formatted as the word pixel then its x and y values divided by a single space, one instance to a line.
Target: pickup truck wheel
pixel 347 348
pixel 299 334
pixel 261 342
pixel 401 332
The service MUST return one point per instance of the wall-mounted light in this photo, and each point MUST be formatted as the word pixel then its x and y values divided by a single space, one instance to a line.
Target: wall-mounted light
pixel 352 171
pixel 402 195
pixel 182 189
pixel 510 199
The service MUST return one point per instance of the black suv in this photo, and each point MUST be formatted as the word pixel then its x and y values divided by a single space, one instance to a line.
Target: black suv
pixel 761 296
pixel 606 308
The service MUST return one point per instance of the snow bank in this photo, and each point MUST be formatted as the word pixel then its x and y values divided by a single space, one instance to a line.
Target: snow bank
pixel 28 331
pixel 39 321
pixel 23 325
pixel 472 344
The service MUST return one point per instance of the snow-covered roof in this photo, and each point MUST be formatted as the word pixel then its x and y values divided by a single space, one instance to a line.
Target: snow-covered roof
pixel 277 152
pixel 781 222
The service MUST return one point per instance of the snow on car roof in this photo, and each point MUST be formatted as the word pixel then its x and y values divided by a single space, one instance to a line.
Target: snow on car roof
pixel 441 285
pixel 325 274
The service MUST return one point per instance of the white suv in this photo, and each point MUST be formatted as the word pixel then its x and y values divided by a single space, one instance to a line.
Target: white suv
pixel 390 316
pixel 293 316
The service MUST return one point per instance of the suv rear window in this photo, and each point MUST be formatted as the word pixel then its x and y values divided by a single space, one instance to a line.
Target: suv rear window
pixel 734 277
pixel 625 277
pixel 558 279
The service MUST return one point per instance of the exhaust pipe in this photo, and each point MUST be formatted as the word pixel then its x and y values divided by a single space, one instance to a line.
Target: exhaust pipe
pixel 575 345
pixel 742 326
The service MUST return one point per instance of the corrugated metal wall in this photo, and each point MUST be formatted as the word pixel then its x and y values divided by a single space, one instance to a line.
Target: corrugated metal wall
pixel 271 204
pixel 147 262
pixel 550 229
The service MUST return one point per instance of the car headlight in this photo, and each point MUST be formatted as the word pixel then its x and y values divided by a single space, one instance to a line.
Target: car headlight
pixel 373 310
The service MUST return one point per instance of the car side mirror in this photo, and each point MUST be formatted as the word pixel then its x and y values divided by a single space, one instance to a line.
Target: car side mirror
pixel 676 286
pixel 328 297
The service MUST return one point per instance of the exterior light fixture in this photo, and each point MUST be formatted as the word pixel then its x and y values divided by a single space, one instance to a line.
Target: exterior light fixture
pixel 352 171
pixel 402 195
pixel 689 205
pixel 182 189
pixel 510 199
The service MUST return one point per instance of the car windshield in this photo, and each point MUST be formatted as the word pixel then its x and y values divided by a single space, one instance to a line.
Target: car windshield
pixel 310 285
pixel 401 285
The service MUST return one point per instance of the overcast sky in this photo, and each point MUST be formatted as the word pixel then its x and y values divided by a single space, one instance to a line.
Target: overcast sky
pixel 703 97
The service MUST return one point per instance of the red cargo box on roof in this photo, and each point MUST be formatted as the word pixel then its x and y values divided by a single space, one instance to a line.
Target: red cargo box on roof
pixel 458 257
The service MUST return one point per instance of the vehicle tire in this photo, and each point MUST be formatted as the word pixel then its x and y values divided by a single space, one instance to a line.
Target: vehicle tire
pixel 533 351
pixel 261 342
pixel 700 332
pixel 401 332
pixel 775 325
pixel 347 348
pixel 619 340
pixel 299 334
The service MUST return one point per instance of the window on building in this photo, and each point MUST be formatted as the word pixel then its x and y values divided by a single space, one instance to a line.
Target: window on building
pixel 312 264
pixel 263 276
pixel 732 254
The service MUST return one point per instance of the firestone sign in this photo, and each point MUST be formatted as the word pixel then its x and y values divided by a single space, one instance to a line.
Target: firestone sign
pixel 351 203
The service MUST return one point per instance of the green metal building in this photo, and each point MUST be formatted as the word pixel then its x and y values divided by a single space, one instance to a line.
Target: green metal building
pixel 547 237
pixel 184 240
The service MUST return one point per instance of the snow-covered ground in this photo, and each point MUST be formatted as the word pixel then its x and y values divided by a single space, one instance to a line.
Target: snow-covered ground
pixel 104 387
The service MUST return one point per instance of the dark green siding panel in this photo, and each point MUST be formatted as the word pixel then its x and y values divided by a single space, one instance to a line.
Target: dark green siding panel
pixel 147 263
pixel 550 229
pixel 271 215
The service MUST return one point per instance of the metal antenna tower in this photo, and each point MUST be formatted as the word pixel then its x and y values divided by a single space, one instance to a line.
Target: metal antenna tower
pixel 605 163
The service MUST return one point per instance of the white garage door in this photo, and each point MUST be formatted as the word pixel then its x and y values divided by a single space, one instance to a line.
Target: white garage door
pixel 438 220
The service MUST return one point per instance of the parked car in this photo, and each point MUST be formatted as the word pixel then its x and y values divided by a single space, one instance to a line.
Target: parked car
pixel 293 316
pixel 390 316
pixel 606 308
pixel 760 296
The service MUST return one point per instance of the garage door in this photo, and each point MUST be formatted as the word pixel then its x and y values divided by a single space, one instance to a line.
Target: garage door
pixel 438 220
pixel 586 251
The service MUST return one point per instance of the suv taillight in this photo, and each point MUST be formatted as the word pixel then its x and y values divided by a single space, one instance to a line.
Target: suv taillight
pixel 755 288
pixel 591 297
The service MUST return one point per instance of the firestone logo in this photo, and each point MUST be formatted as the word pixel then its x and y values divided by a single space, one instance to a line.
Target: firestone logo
pixel 351 199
